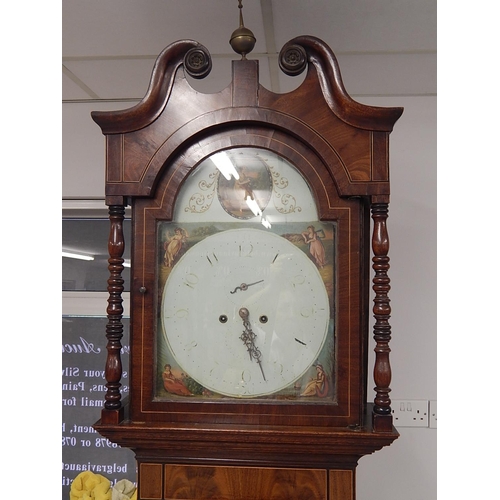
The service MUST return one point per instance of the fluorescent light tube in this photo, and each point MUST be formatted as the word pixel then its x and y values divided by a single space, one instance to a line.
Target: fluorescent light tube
pixel 79 256
pixel 265 223
pixel 252 205
pixel 225 165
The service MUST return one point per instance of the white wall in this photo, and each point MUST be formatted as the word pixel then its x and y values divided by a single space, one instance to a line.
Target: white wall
pixel 410 463
pixel 407 468
pixel 83 150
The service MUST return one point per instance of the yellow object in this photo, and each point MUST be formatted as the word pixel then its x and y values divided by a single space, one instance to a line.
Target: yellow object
pixel 90 486
pixel 124 490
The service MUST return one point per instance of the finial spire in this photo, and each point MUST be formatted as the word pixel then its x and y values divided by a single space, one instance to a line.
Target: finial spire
pixel 240 6
pixel 242 40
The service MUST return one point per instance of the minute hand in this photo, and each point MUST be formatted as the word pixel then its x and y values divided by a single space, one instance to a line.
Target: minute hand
pixel 244 286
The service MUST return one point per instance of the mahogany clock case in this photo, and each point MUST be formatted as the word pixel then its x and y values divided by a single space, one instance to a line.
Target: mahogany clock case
pixel 341 149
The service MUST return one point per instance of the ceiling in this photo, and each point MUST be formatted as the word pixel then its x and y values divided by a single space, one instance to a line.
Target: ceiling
pixel 109 46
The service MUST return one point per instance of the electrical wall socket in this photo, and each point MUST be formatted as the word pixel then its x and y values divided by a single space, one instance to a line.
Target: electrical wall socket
pixel 410 413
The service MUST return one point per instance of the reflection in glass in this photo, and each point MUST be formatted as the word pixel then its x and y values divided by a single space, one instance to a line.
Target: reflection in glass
pixel 89 238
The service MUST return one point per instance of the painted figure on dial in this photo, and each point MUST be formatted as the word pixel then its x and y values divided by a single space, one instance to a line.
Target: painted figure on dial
pixel 318 386
pixel 316 248
pixel 173 245
pixel 173 384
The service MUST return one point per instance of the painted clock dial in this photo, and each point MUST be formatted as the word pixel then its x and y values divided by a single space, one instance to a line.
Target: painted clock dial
pixel 245 313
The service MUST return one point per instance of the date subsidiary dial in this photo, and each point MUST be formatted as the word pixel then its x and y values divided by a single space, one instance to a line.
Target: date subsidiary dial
pixel 245 313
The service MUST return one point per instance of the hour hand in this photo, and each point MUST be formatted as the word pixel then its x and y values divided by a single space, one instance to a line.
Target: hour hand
pixel 248 338
pixel 244 286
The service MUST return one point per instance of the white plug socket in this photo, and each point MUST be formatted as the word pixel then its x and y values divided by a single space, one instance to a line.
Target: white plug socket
pixel 410 413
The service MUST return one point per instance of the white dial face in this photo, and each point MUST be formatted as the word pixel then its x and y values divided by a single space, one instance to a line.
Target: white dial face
pixel 203 313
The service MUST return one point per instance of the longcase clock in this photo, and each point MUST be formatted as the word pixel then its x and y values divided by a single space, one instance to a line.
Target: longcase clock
pixel 252 262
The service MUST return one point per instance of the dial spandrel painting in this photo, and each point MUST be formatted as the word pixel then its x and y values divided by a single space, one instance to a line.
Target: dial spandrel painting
pixel 246 286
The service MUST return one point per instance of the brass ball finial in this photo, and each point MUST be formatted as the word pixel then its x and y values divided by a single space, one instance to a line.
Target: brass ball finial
pixel 242 40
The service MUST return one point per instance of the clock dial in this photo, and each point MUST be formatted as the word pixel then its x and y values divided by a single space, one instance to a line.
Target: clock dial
pixel 245 313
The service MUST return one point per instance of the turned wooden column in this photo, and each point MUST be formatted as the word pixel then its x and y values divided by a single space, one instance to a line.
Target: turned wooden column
pixel 382 414
pixel 113 410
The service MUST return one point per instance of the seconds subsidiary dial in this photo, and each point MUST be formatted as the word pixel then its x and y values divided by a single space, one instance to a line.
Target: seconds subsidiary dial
pixel 245 313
